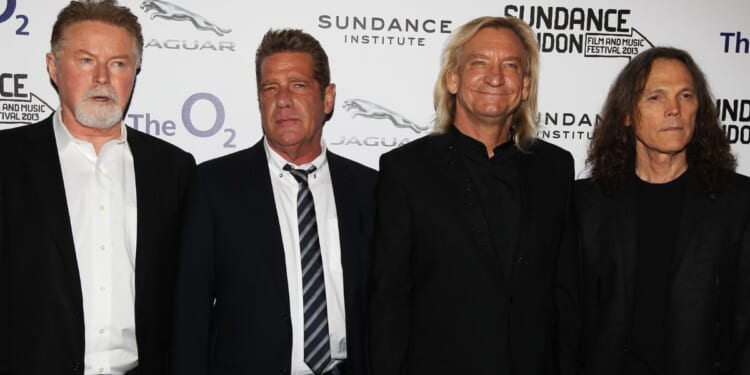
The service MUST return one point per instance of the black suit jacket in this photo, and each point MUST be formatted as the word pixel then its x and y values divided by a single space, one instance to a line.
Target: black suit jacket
pixel 232 304
pixel 442 302
pixel 708 307
pixel 41 318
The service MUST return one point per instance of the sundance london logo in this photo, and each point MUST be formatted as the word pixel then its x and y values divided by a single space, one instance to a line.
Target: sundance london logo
pixel 591 32
pixel 17 104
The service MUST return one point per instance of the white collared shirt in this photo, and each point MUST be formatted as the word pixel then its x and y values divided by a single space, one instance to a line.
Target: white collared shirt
pixel 101 197
pixel 285 189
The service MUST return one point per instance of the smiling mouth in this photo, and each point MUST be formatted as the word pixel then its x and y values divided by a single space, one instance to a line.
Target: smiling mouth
pixel 494 93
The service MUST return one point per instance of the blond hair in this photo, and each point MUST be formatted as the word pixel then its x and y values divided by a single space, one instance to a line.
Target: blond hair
pixel 524 128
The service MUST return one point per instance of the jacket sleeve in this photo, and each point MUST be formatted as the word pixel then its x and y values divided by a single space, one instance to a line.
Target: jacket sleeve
pixel 568 287
pixel 391 281
pixel 742 315
pixel 4 288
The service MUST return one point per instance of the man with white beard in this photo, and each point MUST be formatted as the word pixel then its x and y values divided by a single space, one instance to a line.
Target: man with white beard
pixel 89 213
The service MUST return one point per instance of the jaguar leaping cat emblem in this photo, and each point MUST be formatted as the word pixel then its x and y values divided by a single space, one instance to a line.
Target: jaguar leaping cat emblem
pixel 367 109
pixel 168 11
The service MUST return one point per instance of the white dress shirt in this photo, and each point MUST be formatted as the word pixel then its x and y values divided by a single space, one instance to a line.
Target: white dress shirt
pixel 101 197
pixel 285 189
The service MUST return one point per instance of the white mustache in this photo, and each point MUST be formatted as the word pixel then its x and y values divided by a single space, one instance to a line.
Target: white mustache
pixel 102 91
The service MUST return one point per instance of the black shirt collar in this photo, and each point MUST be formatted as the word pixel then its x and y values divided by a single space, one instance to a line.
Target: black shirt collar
pixel 475 150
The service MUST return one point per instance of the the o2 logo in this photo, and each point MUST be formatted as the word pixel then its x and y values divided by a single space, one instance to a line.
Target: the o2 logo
pixel 218 122
pixel 147 123
pixel 7 13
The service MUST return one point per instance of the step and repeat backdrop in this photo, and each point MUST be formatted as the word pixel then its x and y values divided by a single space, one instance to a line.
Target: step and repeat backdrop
pixel 197 90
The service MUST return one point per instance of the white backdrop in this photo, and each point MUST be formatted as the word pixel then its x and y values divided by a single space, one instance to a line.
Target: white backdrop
pixel 197 85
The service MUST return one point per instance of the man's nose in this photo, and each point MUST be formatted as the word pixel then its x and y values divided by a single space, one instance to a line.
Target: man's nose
pixel 101 74
pixel 495 75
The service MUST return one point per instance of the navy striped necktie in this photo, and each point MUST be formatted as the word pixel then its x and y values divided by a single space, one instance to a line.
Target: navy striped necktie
pixel 317 342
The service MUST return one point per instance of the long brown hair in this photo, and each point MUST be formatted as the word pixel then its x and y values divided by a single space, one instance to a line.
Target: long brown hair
pixel 611 155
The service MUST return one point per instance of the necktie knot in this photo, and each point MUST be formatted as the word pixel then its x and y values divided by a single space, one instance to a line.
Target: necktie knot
pixel 300 174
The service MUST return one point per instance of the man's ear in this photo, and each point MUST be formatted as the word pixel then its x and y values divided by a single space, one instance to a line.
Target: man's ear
pixel 52 67
pixel 451 81
pixel 329 98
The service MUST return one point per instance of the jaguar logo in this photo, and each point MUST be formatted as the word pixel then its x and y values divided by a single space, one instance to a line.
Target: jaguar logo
pixel 367 109
pixel 169 11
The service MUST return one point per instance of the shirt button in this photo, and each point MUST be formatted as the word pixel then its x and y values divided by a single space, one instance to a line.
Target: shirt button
pixel 101 207
pixel 102 288
pixel 102 247
pixel 101 331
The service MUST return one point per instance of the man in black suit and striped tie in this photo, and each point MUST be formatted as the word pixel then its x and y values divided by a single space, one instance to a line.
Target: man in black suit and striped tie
pixel 273 268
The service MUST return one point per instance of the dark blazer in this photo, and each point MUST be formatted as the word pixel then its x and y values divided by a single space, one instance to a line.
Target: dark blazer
pixel 708 307
pixel 41 316
pixel 232 301
pixel 442 302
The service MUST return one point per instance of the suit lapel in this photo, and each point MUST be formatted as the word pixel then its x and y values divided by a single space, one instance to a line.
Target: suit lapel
pixel 256 195
pixel 144 190
pixel 527 230
pixel 350 223
pixel 44 170
pixel 693 212
pixel 618 232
